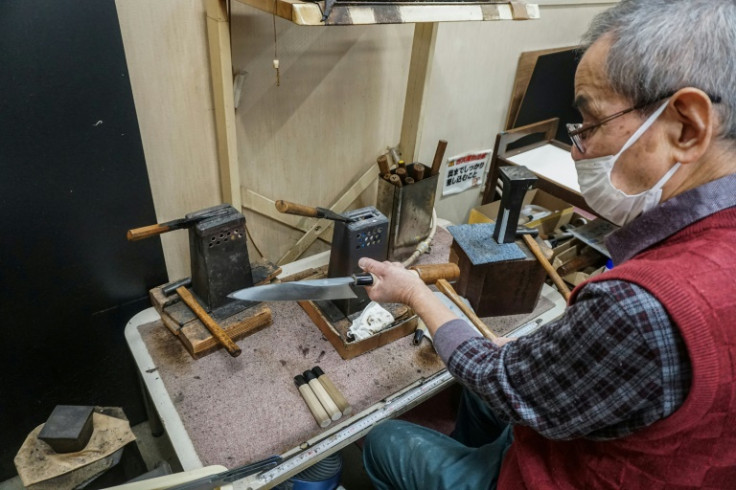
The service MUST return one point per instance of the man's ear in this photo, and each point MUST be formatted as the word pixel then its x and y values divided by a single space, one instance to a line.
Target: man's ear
pixel 693 120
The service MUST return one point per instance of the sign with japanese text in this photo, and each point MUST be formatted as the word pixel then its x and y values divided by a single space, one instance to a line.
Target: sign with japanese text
pixel 465 171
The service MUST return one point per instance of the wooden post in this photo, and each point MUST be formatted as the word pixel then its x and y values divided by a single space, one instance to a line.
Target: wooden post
pixel 218 35
pixel 420 68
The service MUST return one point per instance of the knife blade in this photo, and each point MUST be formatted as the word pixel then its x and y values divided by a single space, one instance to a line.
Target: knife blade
pixel 335 287
pixel 311 289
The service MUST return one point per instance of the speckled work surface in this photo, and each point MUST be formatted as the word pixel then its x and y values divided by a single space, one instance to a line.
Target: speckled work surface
pixel 238 410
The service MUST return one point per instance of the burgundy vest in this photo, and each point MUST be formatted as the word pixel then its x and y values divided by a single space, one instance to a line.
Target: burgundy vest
pixel 693 275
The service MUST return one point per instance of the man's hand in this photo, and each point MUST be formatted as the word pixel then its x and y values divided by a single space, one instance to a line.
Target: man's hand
pixel 393 283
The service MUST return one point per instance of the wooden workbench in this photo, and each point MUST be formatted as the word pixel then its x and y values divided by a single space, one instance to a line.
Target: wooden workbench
pixel 232 411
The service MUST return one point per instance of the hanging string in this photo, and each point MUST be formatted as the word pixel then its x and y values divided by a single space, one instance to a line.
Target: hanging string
pixel 275 46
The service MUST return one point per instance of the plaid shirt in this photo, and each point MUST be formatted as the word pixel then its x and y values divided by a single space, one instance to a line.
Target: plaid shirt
pixel 612 364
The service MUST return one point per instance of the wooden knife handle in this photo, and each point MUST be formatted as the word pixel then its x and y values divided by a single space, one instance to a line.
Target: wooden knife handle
pixel 147 231
pixel 551 272
pixel 439 155
pixel 449 291
pixel 216 331
pixel 298 209
pixel 153 230
pixel 431 273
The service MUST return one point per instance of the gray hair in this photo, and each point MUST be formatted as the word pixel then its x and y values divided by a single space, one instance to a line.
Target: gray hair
pixel 661 46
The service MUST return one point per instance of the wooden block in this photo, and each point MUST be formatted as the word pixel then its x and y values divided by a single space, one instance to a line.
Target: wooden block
pixel 200 342
pixel 336 331
pixel 500 288
pixel 195 337
pixel 183 323
pixel 160 302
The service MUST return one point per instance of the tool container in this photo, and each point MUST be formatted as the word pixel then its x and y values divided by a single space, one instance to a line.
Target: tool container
pixel 218 254
pixel 409 210
pixel 364 235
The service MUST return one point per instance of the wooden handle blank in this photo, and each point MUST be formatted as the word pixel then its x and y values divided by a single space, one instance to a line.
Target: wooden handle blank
pixel 298 209
pixel 336 395
pixel 324 399
pixel 417 172
pixel 534 247
pixel 383 165
pixel 319 413
pixel 431 273
pixel 449 291
pixel 146 231
pixel 213 327
pixel 439 155
pixel 395 180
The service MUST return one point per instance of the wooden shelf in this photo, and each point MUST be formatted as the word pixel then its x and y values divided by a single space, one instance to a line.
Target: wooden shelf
pixel 310 14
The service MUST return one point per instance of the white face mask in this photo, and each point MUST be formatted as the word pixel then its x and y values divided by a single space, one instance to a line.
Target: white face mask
pixel 594 177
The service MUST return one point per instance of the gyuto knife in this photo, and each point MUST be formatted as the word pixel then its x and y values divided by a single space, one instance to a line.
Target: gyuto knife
pixel 336 287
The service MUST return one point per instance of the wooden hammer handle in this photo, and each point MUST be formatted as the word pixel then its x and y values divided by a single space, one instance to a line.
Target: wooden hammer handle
pixel 534 247
pixel 213 327
pixel 298 209
pixel 449 291
pixel 431 273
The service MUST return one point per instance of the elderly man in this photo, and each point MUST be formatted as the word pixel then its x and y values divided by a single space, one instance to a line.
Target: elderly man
pixel 635 386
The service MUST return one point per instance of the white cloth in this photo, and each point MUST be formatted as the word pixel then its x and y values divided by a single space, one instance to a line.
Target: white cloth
pixel 373 319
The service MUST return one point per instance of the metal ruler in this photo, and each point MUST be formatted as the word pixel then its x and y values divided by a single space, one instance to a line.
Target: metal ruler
pixel 391 407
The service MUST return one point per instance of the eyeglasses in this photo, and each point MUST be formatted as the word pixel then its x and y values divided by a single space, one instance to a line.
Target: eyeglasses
pixel 578 133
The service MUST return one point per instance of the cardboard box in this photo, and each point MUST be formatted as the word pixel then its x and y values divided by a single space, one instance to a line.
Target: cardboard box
pixel 561 212
pixel 568 252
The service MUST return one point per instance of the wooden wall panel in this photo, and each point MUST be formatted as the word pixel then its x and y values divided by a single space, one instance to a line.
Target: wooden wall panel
pixel 470 89
pixel 339 104
pixel 167 56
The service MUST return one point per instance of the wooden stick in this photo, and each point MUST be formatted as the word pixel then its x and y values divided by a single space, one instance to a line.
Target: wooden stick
pixel 217 331
pixel 439 155
pixel 534 247
pixel 450 292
